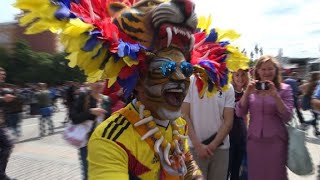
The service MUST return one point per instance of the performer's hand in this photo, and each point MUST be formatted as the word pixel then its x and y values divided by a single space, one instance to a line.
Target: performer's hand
pixel 203 151
pixel 97 111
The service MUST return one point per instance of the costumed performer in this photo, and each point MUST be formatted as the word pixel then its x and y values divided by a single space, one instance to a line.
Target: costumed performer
pixel 152 47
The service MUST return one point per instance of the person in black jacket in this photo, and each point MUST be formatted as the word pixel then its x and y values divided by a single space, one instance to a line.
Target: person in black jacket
pixel 5 144
pixel 12 110
pixel 93 106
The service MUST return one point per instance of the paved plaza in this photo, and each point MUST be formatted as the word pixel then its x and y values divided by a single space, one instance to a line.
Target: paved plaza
pixel 51 158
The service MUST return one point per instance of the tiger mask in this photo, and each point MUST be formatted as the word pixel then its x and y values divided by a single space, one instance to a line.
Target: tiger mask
pixel 157 24
pixel 166 29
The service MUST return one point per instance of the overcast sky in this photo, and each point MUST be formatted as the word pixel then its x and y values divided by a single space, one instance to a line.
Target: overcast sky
pixel 293 25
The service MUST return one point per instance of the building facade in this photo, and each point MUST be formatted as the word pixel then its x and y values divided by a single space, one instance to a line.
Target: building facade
pixel 10 33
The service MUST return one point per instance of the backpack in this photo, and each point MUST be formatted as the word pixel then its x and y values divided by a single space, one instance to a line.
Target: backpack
pixel 306 102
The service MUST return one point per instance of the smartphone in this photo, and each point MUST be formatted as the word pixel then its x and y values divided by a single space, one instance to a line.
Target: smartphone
pixel 262 85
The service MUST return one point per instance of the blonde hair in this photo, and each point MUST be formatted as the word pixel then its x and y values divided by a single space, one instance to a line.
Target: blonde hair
pixel 266 58
pixel 247 78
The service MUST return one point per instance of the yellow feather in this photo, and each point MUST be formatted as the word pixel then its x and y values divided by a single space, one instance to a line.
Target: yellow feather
pixel 95 76
pixel 129 61
pixel 213 92
pixel 27 4
pixel 73 43
pixel 73 59
pixel 37 27
pixel 27 18
pixel 112 68
pixel 76 27
pixel 204 23
pixel 227 34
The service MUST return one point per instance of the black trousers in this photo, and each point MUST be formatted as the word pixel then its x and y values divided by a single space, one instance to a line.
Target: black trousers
pixel 299 114
pixel 237 149
pixel 5 151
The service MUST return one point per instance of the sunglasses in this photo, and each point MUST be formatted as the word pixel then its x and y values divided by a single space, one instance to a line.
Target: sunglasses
pixel 169 67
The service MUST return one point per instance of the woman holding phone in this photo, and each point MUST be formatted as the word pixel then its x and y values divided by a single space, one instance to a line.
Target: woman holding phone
pixel 270 104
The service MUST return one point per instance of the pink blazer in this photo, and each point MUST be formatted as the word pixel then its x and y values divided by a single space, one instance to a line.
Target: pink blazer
pixel 265 119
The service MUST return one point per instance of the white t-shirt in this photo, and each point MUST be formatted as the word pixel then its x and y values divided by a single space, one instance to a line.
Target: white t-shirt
pixel 206 114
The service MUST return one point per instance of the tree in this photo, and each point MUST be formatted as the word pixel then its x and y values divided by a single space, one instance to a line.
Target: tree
pixel 4 58
pixel 27 66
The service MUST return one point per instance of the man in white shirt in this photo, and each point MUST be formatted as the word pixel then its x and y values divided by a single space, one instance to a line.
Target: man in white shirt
pixel 206 117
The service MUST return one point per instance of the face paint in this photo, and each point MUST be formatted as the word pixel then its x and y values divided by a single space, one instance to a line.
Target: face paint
pixel 166 83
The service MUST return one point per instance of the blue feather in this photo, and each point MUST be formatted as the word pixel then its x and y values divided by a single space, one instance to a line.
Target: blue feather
pixel 66 3
pixel 62 13
pixel 123 49
pixel 210 85
pixel 224 78
pixel 212 37
pixel 90 44
pixel 95 32
pixel 210 69
pixel 127 49
pixel 223 59
pixel 134 49
pixel 129 84
pixel 116 58
pixel 224 43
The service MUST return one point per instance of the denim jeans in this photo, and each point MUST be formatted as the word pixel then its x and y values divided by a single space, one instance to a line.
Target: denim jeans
pixel 83 152
pixel 13 122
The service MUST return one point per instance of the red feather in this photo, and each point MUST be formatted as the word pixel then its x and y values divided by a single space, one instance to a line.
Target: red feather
pixel 199 83
pixel 127 71
pixel 199 37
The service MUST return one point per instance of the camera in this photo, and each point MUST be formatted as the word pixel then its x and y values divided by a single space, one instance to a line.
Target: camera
pixel 262 85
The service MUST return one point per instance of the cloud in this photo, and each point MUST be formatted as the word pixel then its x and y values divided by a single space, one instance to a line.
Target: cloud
pixel 276 11
pixel 7 11
pixel 293 25
pixel 289 24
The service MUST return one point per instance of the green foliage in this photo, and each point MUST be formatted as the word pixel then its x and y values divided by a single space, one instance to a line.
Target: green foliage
pixel 252 63
pixel 26 66
pixel 4 58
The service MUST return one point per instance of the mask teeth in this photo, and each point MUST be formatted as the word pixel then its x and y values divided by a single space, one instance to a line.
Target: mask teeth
pixel 169 35
pixel 191 42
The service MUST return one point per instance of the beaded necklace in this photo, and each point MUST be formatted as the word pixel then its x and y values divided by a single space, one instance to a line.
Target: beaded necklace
pixel 170 153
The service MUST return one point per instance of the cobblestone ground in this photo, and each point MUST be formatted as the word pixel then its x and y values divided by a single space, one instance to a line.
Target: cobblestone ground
pixel 51 158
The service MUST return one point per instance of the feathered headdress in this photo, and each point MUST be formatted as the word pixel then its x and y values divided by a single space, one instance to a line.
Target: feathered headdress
pixel 97 45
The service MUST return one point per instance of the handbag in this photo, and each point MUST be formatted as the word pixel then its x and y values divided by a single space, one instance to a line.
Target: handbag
pixel 299 159
pixel 77 134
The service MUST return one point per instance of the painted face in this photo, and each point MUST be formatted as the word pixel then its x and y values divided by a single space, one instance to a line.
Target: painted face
pixel 2 76
pixel 240 78
pixel 166 84
pixel 267 71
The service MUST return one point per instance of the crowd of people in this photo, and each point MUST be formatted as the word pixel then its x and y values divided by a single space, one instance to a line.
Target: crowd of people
pixel 228 132
pixel 83 101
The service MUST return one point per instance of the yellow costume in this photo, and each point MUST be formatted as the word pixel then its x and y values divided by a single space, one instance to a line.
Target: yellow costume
pixel 119 151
